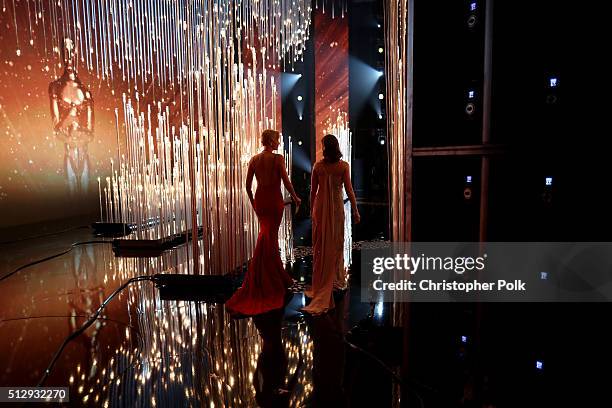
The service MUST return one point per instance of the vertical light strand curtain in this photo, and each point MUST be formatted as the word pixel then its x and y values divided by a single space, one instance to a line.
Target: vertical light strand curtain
pixel 398 65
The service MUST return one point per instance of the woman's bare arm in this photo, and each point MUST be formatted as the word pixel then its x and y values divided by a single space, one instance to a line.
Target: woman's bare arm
pixel 348 187
pixel 249 181
pixel 286 181
pixel 314 186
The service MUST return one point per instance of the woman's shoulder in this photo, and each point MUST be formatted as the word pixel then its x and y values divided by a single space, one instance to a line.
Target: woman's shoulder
pixel 279 158
pixel 254 158
pixel 341 164
pixel 321 164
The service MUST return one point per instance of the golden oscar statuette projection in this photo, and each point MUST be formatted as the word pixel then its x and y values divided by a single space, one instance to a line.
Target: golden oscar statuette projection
pixel 73 121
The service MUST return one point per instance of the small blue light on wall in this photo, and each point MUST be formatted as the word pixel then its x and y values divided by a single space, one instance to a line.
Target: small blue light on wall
pixel 548 181
pixel 464 339
pixel 539 365
pixel 543 275
pixel 553 82
pixel 473 6
pixel 471 94
pixel 468 179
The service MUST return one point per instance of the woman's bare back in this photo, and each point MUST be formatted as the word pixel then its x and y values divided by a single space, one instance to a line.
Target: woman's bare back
pixel 265 165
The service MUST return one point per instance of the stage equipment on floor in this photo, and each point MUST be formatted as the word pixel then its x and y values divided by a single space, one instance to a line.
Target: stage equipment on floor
pixel 209 288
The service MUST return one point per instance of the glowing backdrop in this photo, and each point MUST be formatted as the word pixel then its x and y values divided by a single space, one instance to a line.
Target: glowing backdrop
pixel 162 100
pixel 331 93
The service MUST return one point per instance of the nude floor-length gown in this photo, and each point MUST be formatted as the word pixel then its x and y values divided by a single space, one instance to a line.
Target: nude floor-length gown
pixel 328 237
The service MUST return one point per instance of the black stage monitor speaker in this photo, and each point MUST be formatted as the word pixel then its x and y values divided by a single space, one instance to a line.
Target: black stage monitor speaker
pixel 207 288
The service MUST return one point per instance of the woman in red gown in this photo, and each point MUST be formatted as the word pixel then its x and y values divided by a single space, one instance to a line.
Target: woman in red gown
pixel 266 281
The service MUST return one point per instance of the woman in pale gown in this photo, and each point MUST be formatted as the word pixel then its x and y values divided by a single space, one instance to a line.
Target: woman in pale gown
pixel 328 177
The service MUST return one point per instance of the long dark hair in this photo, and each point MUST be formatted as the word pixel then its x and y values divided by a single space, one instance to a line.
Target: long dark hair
pixel 331 149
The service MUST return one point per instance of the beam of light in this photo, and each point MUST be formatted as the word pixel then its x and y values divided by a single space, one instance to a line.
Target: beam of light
pixel 301 160
pixel 377 107
pixel 288 81
pixel 368 78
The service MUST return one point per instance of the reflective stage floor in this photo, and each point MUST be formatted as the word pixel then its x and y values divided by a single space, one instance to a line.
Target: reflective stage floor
pixel 142 351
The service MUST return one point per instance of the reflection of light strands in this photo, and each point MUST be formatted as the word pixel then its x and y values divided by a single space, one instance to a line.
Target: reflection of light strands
pixel 399 24
pixel 340 129
pixel 399 130
pixel 182 353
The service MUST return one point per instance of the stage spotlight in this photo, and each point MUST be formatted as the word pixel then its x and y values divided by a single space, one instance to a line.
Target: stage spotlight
pixel 380 50
pixel 548 181
pixel 473 6
pixel 299 142
pixel 369 80
pixel 378 25
pixel 381 96
pixel 380 116
pixel 468 179
pixel 471 94
pixel 381 140
pixel 300 117
pixel 299 98
pixel 539 365
pixel 543 275
pixel 288 81
pixel 464 339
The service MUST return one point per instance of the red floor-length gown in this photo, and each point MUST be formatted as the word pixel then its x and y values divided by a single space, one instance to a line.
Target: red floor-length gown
pixel 266 281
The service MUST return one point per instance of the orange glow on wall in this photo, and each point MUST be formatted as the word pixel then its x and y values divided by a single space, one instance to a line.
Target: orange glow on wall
pixel 331 72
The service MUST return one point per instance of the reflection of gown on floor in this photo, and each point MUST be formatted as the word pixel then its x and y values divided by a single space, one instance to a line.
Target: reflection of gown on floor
pixel 327 237
pixel 266 280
